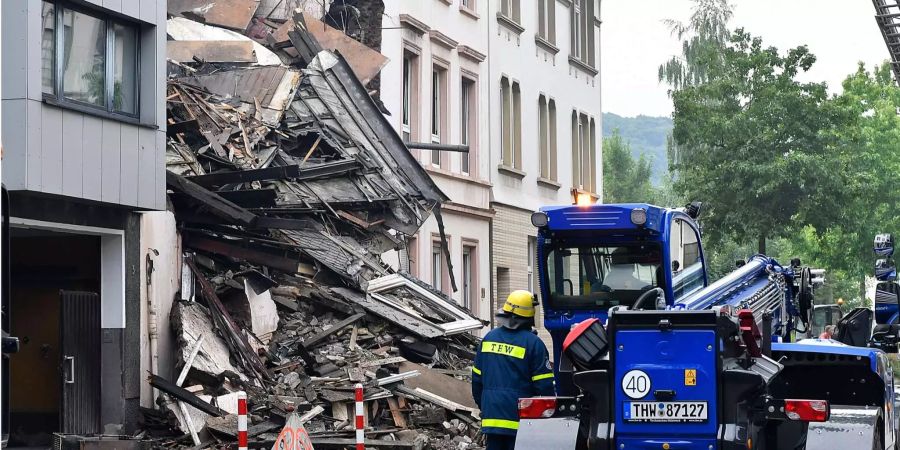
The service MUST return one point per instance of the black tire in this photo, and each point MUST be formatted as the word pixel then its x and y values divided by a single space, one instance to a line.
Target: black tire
pixel 878 439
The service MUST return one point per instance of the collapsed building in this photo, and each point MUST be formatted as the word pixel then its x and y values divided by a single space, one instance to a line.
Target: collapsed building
pixel 286 186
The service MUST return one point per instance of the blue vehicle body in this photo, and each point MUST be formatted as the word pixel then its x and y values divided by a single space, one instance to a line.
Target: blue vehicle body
pixel 691 360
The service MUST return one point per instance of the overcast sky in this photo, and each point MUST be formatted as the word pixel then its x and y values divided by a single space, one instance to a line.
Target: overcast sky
pixel 635 41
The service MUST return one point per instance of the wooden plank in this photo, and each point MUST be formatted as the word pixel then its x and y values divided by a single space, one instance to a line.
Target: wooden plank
pixel 181 127
pixel 92 174
pixel 312 341
pixel 234 14
pixel 215 144
pixel 111 169
pixel 439 384
pixel 72 150
pixel 211 51
pixel 217 205
pixel 399 419
pixel 246 176
pixel 233 335
pixel 184 395
pixel 254 255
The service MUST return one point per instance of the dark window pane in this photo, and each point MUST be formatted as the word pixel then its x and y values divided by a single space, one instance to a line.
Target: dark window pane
pixel 48 48
pixel 84 58
pixel 125 69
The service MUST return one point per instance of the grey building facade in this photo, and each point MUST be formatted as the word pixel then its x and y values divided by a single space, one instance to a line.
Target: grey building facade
pixel 83 113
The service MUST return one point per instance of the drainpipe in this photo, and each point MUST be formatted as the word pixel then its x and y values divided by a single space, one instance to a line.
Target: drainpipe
pixel 152 324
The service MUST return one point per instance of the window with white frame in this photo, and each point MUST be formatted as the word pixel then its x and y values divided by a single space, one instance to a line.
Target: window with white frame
pixel 582 30
pixel 89 59
pixel 510 9
pixel 437 266
pixel 547 137
pixel 584 154
pixel 547 20
pixel 407 94
pixel 511 123
pixel 468 282
pixel 438 110
pixel 466 106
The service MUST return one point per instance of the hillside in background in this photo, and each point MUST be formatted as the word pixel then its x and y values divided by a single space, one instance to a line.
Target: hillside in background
pixel 646 135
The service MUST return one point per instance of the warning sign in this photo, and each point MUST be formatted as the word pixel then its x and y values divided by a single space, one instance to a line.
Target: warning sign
pixel 293 436
pixel 690 377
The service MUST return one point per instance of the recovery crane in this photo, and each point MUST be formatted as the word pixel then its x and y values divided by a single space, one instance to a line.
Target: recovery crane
pixel 650 355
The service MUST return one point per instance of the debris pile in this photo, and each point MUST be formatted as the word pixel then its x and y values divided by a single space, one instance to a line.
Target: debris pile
pixel 288 185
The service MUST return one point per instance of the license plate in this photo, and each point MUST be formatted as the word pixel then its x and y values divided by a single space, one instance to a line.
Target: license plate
pixel 666 412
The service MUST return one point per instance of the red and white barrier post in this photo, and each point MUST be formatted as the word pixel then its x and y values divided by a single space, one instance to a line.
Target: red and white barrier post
pixel 360 419
pixel 242 420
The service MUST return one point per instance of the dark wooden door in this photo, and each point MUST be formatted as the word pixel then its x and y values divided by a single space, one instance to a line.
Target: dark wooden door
pixel 80 345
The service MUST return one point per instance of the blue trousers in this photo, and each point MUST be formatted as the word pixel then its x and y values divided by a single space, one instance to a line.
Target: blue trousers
pixel 500 442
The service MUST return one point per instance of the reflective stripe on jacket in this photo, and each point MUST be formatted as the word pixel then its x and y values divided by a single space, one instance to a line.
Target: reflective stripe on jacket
pixel 509 365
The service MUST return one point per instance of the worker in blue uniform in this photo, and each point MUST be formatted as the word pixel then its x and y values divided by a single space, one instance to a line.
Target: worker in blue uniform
pixel 511 363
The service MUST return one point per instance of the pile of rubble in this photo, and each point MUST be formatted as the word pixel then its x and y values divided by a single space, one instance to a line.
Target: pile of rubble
pixel 288 185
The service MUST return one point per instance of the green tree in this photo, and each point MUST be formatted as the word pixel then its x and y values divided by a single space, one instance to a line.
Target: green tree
pixel 625 179
pixel 702 38
pixel 749 140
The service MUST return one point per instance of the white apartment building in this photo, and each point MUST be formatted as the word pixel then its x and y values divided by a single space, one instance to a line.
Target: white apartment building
pixel 544 122
pixel 435 86
pixel 519 81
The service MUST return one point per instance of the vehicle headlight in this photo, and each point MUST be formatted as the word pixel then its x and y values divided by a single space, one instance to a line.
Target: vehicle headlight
pixel 638 216
pixel 539 219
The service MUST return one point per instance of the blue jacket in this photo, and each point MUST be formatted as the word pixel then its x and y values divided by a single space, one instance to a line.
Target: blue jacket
pixel 510 364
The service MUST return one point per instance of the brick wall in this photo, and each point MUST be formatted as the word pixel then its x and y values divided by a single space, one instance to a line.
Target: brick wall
pixel 509 271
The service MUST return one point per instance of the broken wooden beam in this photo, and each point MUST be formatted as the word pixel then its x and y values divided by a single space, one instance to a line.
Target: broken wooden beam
pixel 233 335
pixel 211 51
pixel 246 176
pixel 312 341
pixel 184 395
pixel 217 205
pixel 328 169
pixel 256 255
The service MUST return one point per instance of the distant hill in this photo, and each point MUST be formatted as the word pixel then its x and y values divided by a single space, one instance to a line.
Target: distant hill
pixel 646 135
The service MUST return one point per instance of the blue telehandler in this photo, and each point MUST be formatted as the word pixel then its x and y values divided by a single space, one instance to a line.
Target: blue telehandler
pixel 648 354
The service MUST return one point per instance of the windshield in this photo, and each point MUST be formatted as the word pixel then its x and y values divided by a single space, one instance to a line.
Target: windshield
pixel 588 277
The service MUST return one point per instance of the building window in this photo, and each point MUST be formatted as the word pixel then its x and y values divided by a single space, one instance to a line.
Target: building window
pixel 469 278
pixel 511 122
pixel 510 9
pixel 410 95
pixel 437 266
pixel 547 20
pixel 584 153
pixel 582 39
pixel 91 62
pixel 547 137
pixel 411 256
pixel 468 4
pixel 438 109
pixel 467 123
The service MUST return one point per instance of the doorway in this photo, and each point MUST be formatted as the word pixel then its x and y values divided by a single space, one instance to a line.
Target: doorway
pixel 55 312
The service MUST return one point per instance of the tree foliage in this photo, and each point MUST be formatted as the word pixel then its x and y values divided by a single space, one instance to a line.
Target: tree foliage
pixel 625 179
pixel 702 39
pixel 747 140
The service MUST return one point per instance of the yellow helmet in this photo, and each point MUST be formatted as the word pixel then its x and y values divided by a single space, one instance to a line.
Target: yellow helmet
pixel 520 303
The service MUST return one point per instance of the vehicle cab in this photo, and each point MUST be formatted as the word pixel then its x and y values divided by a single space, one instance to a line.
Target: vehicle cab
pixel 595 257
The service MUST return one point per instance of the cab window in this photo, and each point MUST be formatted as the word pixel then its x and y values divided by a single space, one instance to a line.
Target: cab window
pixel 686 264
pixel 591 277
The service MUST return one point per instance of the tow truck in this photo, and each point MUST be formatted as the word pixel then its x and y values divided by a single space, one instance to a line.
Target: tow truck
pixel 649 355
